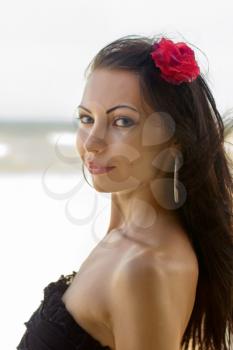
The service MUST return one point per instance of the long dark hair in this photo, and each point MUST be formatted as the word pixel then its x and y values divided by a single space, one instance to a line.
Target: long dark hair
pixel 207 212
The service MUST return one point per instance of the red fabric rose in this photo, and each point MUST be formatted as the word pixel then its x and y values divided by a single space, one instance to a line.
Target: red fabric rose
pixel 176 61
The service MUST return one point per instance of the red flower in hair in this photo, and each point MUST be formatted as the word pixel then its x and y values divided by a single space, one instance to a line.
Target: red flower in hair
pixel 176 61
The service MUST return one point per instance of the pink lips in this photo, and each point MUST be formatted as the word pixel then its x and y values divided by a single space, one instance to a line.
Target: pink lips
pixel 96 168
pixel 100 170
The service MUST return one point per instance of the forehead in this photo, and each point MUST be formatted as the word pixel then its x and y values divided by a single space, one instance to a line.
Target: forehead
pixel 106 88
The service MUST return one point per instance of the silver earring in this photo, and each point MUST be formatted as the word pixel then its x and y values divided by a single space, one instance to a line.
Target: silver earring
pixel 176 193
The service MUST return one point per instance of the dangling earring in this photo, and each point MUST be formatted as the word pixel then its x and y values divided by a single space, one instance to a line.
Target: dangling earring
pixel 176 193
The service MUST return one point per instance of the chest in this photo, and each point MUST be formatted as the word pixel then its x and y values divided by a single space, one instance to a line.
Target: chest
pixel 87 297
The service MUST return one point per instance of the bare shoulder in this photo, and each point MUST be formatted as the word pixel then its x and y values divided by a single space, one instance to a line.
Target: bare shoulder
pixel 164 267
pixel 176 258
pixel 164 282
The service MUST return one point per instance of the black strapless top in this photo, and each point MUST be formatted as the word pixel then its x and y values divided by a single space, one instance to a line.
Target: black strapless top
pixel 52 327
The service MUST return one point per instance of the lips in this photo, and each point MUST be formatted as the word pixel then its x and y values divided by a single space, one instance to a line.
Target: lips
pixel 100 170
pixel 95 168
pixel 92 165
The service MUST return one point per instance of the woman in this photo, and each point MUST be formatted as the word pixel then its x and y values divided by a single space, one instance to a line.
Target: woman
pixel 162 277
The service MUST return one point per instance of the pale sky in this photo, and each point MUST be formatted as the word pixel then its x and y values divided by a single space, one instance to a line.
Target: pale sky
pixel 47 44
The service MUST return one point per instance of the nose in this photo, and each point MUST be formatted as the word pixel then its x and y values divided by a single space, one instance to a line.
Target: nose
pixel 94 143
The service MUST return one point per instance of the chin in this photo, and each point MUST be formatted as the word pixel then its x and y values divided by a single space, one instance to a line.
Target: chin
pixel 108 185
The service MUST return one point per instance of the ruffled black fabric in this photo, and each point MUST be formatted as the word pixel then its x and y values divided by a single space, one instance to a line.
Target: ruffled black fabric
pixel 52 327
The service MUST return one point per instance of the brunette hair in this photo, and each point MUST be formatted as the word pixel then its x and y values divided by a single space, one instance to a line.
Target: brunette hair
pixel 206 175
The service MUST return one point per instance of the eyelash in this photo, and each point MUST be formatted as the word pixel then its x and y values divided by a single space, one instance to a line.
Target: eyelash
pixel 83 115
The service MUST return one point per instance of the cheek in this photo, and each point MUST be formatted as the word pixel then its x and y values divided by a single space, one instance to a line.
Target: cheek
pixel 82 134
pixel 144 165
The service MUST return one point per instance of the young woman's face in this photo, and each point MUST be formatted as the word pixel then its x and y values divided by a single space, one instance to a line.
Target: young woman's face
pixel 129 138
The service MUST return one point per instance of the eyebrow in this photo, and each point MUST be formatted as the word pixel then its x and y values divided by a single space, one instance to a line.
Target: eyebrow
pixel 111 109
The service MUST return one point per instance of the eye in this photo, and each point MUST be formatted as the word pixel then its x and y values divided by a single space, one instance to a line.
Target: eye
pixel 129 121
pixel 81 117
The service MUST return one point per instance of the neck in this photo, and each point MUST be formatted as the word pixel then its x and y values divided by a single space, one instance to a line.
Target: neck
pixel 137 211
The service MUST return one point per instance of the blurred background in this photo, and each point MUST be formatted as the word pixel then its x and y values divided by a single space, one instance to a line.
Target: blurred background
pixel 50 217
